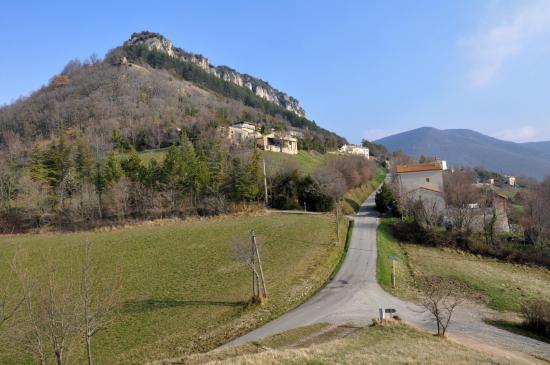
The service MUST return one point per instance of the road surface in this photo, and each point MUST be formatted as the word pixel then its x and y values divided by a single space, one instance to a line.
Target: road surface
pixel 355 296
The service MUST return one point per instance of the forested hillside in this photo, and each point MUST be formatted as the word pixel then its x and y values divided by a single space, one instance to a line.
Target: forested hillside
pixel 71 153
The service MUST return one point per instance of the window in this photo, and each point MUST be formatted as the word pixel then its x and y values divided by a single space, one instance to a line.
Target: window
pixel 427 179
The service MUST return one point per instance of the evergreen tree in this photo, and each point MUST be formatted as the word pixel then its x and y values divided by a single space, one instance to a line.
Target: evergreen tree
pixel 132 166
pixel 83 161
pixel 113 170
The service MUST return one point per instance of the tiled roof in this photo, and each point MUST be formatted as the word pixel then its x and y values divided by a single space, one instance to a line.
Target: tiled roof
pixel 430 166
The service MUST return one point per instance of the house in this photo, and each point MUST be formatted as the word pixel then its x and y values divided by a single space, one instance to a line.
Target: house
pixel 423 182
pixel 278 142
pixel 353 149
pixel 296 133
pixel 428 175
pixel 511 180
pixel 242 132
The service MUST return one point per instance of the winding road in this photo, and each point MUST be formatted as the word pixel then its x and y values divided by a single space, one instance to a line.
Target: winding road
pixel 355 296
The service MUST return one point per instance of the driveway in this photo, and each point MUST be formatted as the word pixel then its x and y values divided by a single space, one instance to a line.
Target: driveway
pixel 355 296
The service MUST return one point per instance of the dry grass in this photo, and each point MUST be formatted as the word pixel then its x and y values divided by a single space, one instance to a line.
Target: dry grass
pixel 388 344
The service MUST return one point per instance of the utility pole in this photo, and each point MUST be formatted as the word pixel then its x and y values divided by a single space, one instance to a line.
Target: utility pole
pixel 253 259
pixel 338 223
pixel 259 263
pixel 265 185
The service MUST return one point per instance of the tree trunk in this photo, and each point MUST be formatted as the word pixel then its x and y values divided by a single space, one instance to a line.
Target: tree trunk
pixel 89 349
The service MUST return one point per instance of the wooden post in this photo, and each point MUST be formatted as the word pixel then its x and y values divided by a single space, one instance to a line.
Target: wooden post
pixel 253 258
pixel 393 273
pixel 259 263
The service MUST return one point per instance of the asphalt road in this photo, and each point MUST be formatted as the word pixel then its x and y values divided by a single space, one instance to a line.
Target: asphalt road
pixel 355 296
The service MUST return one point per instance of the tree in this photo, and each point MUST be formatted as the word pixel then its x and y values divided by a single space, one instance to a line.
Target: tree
pixel 440 299
pixel 460 192
pixel 51 325
pixel 384 199
pixel 113 169
pixel 11 299
pixel 98 299
pixel 132 166
pixel 536 219
pixel 247 251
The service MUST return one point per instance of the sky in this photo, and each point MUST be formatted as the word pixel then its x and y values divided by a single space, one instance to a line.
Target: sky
pixel 363 69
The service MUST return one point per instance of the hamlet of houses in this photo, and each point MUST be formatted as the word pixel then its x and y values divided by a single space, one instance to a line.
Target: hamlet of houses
pixel 423 182
pixel 275 141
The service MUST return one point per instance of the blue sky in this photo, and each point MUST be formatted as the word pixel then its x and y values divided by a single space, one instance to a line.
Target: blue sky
pixel 359 68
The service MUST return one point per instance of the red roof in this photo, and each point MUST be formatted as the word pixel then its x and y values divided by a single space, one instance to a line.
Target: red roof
pixel 430 166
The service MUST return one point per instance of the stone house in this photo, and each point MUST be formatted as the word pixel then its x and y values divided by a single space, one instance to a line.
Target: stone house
pixel 278 142
pixel 242 132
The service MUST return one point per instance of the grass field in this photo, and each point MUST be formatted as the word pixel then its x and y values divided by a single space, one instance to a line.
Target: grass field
pixel 321 344
pixel 305 161
pixel 183 290
pixel 502 285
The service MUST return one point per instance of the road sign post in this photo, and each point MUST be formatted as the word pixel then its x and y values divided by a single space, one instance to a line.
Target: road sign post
pixel 393 273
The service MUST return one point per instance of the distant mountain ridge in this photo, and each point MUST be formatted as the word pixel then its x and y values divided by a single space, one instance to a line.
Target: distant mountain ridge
pixel 470 148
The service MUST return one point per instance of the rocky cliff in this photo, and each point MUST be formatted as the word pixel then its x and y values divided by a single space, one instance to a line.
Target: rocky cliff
pixel 155 41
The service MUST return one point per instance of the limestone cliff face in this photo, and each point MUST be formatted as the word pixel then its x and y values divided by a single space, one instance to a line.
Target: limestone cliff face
pixel 155 41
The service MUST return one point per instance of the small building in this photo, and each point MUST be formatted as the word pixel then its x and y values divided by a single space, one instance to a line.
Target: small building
pixel 242 132
pixel 354 149
pixel 491 181
pixel 511 180
pixel 296 133
pixel 278 142
pixel 423 182
pixel 428 175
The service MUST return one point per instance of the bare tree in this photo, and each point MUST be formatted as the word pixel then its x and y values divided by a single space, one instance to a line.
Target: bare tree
pixel 50 326
pixel 536 220
pixel 247 251
pixel 11 299
pixel 460 193
pixel 440 299
pixel 333 183
pixel 99 299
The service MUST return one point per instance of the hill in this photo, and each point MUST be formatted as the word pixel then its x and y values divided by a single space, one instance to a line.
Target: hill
pixel 543 147
pixel 147 89
pixel 470 148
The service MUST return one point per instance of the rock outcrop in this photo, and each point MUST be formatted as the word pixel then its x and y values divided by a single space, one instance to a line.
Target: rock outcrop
pixel 157 42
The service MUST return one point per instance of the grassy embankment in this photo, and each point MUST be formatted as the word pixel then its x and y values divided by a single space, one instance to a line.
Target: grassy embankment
pixel 354 198
pixel 323 344
pixel 183 290
pixel 501 285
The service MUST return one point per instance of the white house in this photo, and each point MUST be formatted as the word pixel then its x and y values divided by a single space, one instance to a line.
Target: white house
pixel 354 149
pixel 511 180
pixel 423 182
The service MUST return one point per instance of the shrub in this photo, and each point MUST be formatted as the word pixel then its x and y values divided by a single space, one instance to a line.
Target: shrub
pixel 536 314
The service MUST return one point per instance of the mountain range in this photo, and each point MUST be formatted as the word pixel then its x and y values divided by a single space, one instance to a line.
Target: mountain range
pixel 469 148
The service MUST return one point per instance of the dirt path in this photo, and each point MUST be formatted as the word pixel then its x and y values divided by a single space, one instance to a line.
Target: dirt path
pixel 355 296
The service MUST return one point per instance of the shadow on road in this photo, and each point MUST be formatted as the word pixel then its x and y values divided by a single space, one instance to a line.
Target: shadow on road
pixel 154 304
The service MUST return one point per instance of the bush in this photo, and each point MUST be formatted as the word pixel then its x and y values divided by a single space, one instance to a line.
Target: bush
pixel 384 199
pixel 536 314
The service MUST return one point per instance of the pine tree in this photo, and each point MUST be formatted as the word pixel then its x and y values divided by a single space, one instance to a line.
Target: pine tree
pixel 132 166
pixel 113 170
pixel 83 161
